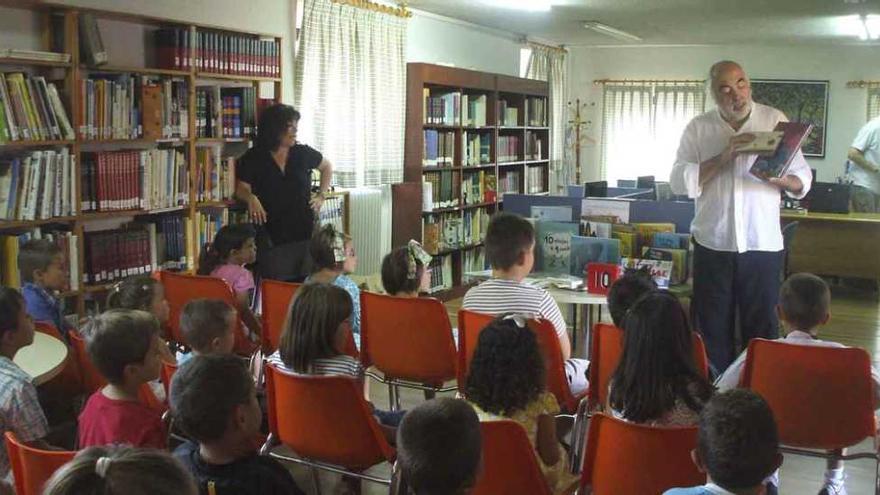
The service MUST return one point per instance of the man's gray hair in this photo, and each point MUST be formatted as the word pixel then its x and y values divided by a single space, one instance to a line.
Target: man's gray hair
pixel 715 70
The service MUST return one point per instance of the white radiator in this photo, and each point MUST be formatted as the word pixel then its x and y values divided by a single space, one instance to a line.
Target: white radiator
pixel 370 224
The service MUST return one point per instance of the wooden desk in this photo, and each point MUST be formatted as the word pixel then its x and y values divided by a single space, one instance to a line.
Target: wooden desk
pixel 43 359
pixel 840 244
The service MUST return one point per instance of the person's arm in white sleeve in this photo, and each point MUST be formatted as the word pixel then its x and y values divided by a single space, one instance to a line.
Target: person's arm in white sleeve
pixel 685 176
pixel 799 169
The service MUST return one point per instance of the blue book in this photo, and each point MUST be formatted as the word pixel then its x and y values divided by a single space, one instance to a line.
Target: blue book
pixel 553 246
pixel 671 240
pixel 585 250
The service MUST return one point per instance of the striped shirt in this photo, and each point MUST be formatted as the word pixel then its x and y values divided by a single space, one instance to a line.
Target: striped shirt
pixel 341 365
pixel 20 411
pixel 496 296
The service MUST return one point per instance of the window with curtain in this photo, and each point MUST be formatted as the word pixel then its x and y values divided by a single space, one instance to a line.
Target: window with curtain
pixel 873 103
pixel 642 125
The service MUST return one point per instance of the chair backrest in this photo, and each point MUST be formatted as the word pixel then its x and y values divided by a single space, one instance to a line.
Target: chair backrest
pixel 275 300
pixel 324 418
pixel 470 324
pixel 623 457
pixel 69 381
pixel 32 467
pixel 797 381
pixel 556 380
pixel 509 463
pixel 166 374
pixel 407 338
pixel 606 352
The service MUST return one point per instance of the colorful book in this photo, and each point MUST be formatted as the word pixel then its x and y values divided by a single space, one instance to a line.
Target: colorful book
pixel 671 240
pixel 678 257
pixel 775 165
pixel 646 232
pixel 553 246
pixel 585 250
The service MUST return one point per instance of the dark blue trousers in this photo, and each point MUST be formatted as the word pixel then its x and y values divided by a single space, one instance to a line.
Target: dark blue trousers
pixel 726 283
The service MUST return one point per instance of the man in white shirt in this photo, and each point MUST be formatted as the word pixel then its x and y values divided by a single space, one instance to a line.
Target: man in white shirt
pixel 863 168
pixel 738 251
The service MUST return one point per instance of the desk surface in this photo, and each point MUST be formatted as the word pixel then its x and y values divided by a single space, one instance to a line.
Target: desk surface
pixel 873 218
pixel 43 359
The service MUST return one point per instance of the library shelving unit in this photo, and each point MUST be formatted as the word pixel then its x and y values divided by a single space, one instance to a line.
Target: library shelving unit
pixel 132 47
pixel 470 138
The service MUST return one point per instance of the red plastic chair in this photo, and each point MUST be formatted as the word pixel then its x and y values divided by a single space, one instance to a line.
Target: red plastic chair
pixel 470 324
pixel 166 374
pixel 326 421
pixel 409 340
pixel 32 467
pixel 624 457
pixel 797 382
pixel 181 289
pixel 275 298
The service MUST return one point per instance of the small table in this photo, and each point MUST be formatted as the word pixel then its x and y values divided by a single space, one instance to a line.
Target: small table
pixel 42 360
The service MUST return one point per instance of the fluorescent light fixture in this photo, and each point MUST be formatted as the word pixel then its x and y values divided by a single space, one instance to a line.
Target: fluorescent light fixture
pixel 529 5
pixel 610 31
pixel 870 27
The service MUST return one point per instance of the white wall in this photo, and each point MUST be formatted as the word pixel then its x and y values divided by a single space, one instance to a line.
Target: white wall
pixel 434 40
pixel 838 64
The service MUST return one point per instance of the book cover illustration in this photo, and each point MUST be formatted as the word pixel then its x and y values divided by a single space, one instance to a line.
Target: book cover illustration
pixel 661 271
pixel 775 165
pixel 671 240
pixel 678 257
pixel 553 246
pixel 647 231
pixel 586 250
pixel 765 143
pixel 551 213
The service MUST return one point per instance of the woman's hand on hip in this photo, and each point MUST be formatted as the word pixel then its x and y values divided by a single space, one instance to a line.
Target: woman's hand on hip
pixel 256 210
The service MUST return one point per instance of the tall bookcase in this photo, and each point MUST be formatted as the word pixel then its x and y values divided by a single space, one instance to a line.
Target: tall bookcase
pixel 128 40
pixel 473 136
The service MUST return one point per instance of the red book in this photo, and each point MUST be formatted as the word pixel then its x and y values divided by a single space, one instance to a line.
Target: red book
pixel 600 276
pixel 101 182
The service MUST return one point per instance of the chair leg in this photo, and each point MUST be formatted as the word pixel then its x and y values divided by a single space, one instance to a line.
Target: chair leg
pixel 430 394
pixel 877 477
pixel 392 399
pixel 396 398
pixel 316 479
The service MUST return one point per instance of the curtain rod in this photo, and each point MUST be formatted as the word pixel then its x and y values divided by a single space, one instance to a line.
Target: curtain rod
pixel 862 84
pixel 643 81
pixel 545 46
pixel 401 11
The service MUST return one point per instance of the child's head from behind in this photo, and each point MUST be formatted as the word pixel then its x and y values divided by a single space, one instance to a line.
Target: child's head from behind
pixel 140 292
pixel 208 326
pixel 41 262
pixel 510 242
pixel 16 325
pixel 804 302
pixel 506 372
pixel 213 399
pixel 439 447
pixel 405 270
pixel 233 244
pixel 121 471
pixel 124 345
pixel 314 327
pixel 626 290
pixel 737 444
pixel 331 249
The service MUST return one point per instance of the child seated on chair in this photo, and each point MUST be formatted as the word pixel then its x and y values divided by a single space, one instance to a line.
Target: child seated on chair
pixel 333 258
pixel 314 338
pixel 208 327
pixel 214 401
pixel 737 445
pixel 20 411
pixel 804 306
pixel 43 270
pixel 121 470
pixel 510 249
pixel 234 246
pixel 626 290
pixel 124 346
pixel 656 381
pixel 406 272
pixel 506 381
pixel 439 447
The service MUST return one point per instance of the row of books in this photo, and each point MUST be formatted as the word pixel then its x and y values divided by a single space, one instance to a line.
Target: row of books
pixel 136 179
pixel 441 190
pixel 476 148
pixel 443 231
pixel 226 112
pixel 219 52
pixel 472 260
pixel 215 175
pixel 38 185
pixel 536 111
pixel 534 144
pixel 474 224
pixel 208 223
pixel 10 246
pixel 536 178
pixel 129 106
pixel 508 115
pixel 509 181
pixel 441 273
pixel 478 187
pixel 333 212
pixel 453 108
pixel 439 149
pixel 31 109
pixel 508 149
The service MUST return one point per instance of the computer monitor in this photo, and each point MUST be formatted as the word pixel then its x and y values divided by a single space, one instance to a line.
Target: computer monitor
pixel 598 189
pixel 645 182
pixel 626 183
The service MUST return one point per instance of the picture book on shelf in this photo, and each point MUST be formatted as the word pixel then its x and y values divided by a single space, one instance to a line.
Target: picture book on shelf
pixel 661 271
pixel 647 231
pixel 775 165
pixel 553 246
pixel 671 240
pixel 551 213
pixel 586 250
pixel 678 257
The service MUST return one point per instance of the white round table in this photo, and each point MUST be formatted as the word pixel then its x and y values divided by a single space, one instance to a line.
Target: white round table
pixel 43 359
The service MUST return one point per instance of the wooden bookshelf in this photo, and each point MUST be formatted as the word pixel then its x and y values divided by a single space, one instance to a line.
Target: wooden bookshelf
pixel 59 32
pixel 522 173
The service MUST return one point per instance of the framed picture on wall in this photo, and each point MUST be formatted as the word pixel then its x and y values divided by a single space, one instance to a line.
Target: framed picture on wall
pixel 801 101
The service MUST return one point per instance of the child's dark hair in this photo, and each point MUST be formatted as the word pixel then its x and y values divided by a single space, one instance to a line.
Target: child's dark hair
pixel 119 470
pixel 804 299
pixel 439 447
pixel 36 254
pixel 507 237
pixel 133 293
pixel 626 290
pixel 738 442
pixel 395 272
pixel 229 237
pixel 205 392
pixel 657 365
pixel 11 304
pixel 119 337
pixel 203 320
pixel 506 372
pixel 314 317
pixel 323 247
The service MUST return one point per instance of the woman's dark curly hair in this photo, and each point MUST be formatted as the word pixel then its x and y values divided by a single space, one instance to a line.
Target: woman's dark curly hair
pixel 506 373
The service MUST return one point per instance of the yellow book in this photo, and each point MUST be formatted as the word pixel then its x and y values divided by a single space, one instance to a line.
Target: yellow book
pixel 9 248
pixel 646 232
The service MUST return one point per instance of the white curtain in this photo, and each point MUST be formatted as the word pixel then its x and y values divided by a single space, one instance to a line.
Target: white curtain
pixel 642 126
pixel 873 103
pixel 548 64
pixel 350 89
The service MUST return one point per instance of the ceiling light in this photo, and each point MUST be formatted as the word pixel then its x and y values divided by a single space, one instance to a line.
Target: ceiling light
pixel 610 31
pixel 870 27
pixel 864 35
pixel 530 5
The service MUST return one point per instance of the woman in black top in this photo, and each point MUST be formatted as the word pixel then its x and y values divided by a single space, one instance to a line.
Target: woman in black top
pixel 274 179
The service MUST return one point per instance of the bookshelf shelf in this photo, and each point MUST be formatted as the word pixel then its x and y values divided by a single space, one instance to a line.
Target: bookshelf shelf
pixel 441 127
pixel 234 77
pixel 531 128
pixel 215 204
pixel 441 169
pixel 20 224
pixel 536 162
pixel 209 141
pixel 478 167
pixel 510 164
pixel 136 142
pixel 106 69
pixel 34 144
pixel 102 215
pixel 30 62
